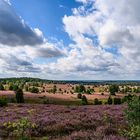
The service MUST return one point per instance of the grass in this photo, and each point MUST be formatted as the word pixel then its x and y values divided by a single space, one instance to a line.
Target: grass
pixel 46 100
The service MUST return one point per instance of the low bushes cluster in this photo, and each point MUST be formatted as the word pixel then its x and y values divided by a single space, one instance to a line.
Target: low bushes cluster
pixel 34 90
pixel 83 98
pixel 20 129
pixel 109 101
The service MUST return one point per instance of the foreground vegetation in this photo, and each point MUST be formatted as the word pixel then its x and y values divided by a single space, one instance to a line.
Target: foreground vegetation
pixel 24 117
pixel 60 122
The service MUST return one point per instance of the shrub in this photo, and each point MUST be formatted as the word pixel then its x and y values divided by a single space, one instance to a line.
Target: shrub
pixel 102 93
pixel 19 96
pixel 113 89
pixel 97 102
pixel 117 101
pixel 80 89
pixel 134 132
pixel 21 129
pixel 127 98
pixel 133 116
pixel 60 89
pixel 54 89
pixel 1 87
pixel 79 96
pixel 3 101
pixel 133 111
pixel 104 102
pixel 109 101
pixel 10 87
pixel 84 100
pixel 34 90
pixel 88 91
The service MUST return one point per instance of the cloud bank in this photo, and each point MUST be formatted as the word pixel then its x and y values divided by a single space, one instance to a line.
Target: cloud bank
pixel 105 43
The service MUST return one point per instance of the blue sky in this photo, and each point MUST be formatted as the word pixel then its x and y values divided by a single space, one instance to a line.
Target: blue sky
pixel 46 15
pixel 70 39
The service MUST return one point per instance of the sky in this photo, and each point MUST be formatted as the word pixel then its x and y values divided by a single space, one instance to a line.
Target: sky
pixel 70 39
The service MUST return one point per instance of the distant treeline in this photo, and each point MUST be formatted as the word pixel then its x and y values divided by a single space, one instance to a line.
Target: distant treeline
pixel 85 82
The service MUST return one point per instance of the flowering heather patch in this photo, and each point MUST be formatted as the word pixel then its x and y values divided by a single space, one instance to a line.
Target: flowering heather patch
pixel 67 122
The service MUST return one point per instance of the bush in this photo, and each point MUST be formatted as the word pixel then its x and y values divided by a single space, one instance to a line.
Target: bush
pixel 133 111
pixel 134 132
pixel 102 93
pixel 46 101
pixel 79 96
pixel 133 116
pixel 19 96
pixel 54 89
pixel 127 98
pixel 84 100
pixel 97 102
pixel 1 87
pixel 109 101
pixel 34 90
pixel 80 89
pixel 117 101
pixel 113 89
pixel 20 129
pixel 88 91
pixel 3 101
pixel 10 87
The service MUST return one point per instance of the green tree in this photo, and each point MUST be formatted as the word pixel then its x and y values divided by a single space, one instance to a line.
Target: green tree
pixel 34 90
pixel 133 116
pixel 19 96
pixel 109 101
pixel 84 100
pixel 80 89
pixel 96 101
pixel 133 111
pixel 54 89
pixel 88 91
pixel 10 87
pixel 113 89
